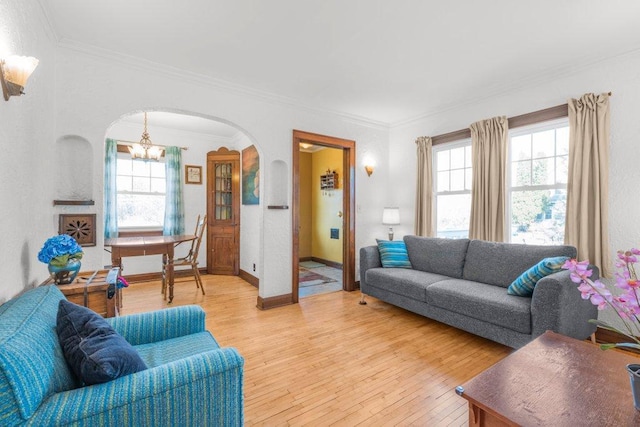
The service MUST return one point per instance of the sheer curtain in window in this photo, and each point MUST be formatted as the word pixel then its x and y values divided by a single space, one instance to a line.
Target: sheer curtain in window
pixel 174 205
pixel 424 188
pixel 586 226
pixel 110 189
pixel 488 190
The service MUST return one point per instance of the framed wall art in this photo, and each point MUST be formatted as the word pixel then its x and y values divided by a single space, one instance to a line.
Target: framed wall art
pixel 192 174
pixel 250 176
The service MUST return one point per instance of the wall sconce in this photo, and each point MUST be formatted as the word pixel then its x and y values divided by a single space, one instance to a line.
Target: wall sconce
pixel 391 216
pixel 14 73
pixel 369 169
pixel 369 164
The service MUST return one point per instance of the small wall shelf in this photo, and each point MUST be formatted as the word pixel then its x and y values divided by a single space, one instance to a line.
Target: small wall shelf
pixel 329 181
pixel 277 207
pixel 73 203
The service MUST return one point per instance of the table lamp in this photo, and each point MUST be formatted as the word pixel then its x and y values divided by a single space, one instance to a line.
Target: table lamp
pixel 391 216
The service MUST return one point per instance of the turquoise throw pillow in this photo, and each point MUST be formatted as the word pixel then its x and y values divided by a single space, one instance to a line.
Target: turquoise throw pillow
pixel 393 254
pixel 524 284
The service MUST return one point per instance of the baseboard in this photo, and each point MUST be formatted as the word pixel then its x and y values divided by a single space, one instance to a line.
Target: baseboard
pixel 273 302
pixel 147 277
pixel 327 262
pixel 249 278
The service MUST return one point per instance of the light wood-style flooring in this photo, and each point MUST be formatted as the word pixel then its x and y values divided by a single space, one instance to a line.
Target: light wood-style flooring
pixel 330 361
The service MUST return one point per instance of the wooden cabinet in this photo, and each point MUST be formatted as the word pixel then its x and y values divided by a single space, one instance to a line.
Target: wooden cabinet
pixel 223 212
pixel 96 295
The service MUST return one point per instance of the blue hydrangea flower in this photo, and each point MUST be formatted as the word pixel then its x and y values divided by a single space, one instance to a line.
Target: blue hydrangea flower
pixel 57 250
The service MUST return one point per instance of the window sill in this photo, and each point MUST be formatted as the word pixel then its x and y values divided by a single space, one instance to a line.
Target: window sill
pixel 139 233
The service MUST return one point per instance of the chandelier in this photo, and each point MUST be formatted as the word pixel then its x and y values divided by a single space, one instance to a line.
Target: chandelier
pixel 145 150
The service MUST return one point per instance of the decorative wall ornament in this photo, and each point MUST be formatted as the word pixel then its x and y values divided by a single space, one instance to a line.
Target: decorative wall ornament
pixel 81 227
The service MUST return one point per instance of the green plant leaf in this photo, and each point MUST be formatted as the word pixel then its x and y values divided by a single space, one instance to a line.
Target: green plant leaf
pixel 60 260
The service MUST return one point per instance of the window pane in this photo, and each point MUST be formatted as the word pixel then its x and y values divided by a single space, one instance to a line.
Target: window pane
pixel 521 173
pixel 537 217
pixel 457 158
pixel 140 168
pixel 141 184
pixel 453 215
pixel 123 166
pixel 562 171
pixel 140 210
pixel 157 170
pixel 123 183
pixel 544 144
pixel 562 140
pixel 521 147
pixel 467 156
pixel 468 179
pixel 542 172
pixel 443 181
pixel 442 160
pixel 158 185
pixel 457 180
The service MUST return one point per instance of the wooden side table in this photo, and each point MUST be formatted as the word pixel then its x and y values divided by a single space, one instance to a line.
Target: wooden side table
pixel 554 381
pixel 94 295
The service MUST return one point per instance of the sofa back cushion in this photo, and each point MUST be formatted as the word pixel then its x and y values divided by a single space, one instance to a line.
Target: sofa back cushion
pixel 32 366
pixel 436 255
pixel 501 263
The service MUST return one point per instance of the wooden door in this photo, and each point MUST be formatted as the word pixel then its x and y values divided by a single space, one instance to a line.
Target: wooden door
pixel 223 212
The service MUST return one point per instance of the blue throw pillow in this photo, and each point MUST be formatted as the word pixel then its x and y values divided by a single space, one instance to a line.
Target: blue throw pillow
pixel 393 254
pixel 95 352
pixel 524 284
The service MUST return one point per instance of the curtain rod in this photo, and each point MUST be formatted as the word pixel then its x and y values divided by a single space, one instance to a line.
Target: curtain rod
pixel 136 142
pixel 517 121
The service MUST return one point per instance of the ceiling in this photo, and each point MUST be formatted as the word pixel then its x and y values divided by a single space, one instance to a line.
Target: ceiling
pixel 182 122
pixel 383 61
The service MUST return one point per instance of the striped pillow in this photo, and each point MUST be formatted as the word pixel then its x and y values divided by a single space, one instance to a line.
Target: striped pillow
pixel 524 284
pixel 393 254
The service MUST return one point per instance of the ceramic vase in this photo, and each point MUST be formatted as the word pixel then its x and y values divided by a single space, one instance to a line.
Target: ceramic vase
pixel 65 274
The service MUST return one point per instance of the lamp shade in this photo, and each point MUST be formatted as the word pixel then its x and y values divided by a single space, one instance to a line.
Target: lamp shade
pixel 17 69
pixel 391 216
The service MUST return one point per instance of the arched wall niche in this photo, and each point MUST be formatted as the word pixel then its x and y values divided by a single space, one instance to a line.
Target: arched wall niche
pixel 74 168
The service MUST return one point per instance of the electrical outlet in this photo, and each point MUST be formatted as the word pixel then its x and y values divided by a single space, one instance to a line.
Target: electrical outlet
pixel 254 266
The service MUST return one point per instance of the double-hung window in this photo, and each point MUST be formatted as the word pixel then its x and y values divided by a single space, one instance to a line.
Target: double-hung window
pixel 141 189
pixel 537 190
pixel 452 183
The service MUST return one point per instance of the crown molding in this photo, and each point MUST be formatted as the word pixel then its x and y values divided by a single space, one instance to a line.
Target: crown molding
pixel 523 83
pixel 212 82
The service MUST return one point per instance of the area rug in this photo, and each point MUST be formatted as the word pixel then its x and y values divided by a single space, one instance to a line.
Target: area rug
pixel 309 278
pixel 311 264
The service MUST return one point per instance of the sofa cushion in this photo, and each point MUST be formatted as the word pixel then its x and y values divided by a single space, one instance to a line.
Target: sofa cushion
pixel 28 345
pixel 525 283
pixel 393 254
pixel 484 302
pixel 95 352
pixel 501 263
pixel 406 282
pixel 436 255
pixel 162 352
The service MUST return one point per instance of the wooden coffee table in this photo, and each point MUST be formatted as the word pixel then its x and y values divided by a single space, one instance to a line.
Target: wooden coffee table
pixel 554 381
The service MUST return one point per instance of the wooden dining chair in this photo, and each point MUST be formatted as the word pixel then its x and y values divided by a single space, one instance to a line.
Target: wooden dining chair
pixel 192 257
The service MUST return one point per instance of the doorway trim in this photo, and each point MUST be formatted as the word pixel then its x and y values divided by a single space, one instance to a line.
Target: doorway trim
pixel 348 148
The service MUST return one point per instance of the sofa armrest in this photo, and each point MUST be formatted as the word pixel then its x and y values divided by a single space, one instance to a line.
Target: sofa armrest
pixel 557 305
pixel 369 258
pixel 159 325
pixel 204 389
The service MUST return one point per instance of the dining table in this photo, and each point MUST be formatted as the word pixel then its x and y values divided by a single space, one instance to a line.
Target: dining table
pixel 148 245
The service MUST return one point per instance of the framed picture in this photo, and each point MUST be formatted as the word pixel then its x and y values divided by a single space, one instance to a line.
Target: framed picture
pixel 192 174
pixel 250 176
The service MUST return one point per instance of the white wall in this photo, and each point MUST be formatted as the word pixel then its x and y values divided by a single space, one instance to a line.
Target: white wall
pixel 27 141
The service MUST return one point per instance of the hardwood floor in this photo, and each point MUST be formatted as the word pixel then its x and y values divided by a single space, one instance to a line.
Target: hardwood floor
pixel 330 361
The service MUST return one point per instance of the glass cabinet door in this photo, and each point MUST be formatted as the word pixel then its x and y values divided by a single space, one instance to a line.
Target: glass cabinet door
pixel 223 198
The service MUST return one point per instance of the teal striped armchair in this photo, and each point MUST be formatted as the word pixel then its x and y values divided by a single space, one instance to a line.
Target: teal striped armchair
pixel 191 381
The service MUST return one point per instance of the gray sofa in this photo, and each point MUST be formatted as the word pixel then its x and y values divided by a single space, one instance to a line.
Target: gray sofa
pixel 463 283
